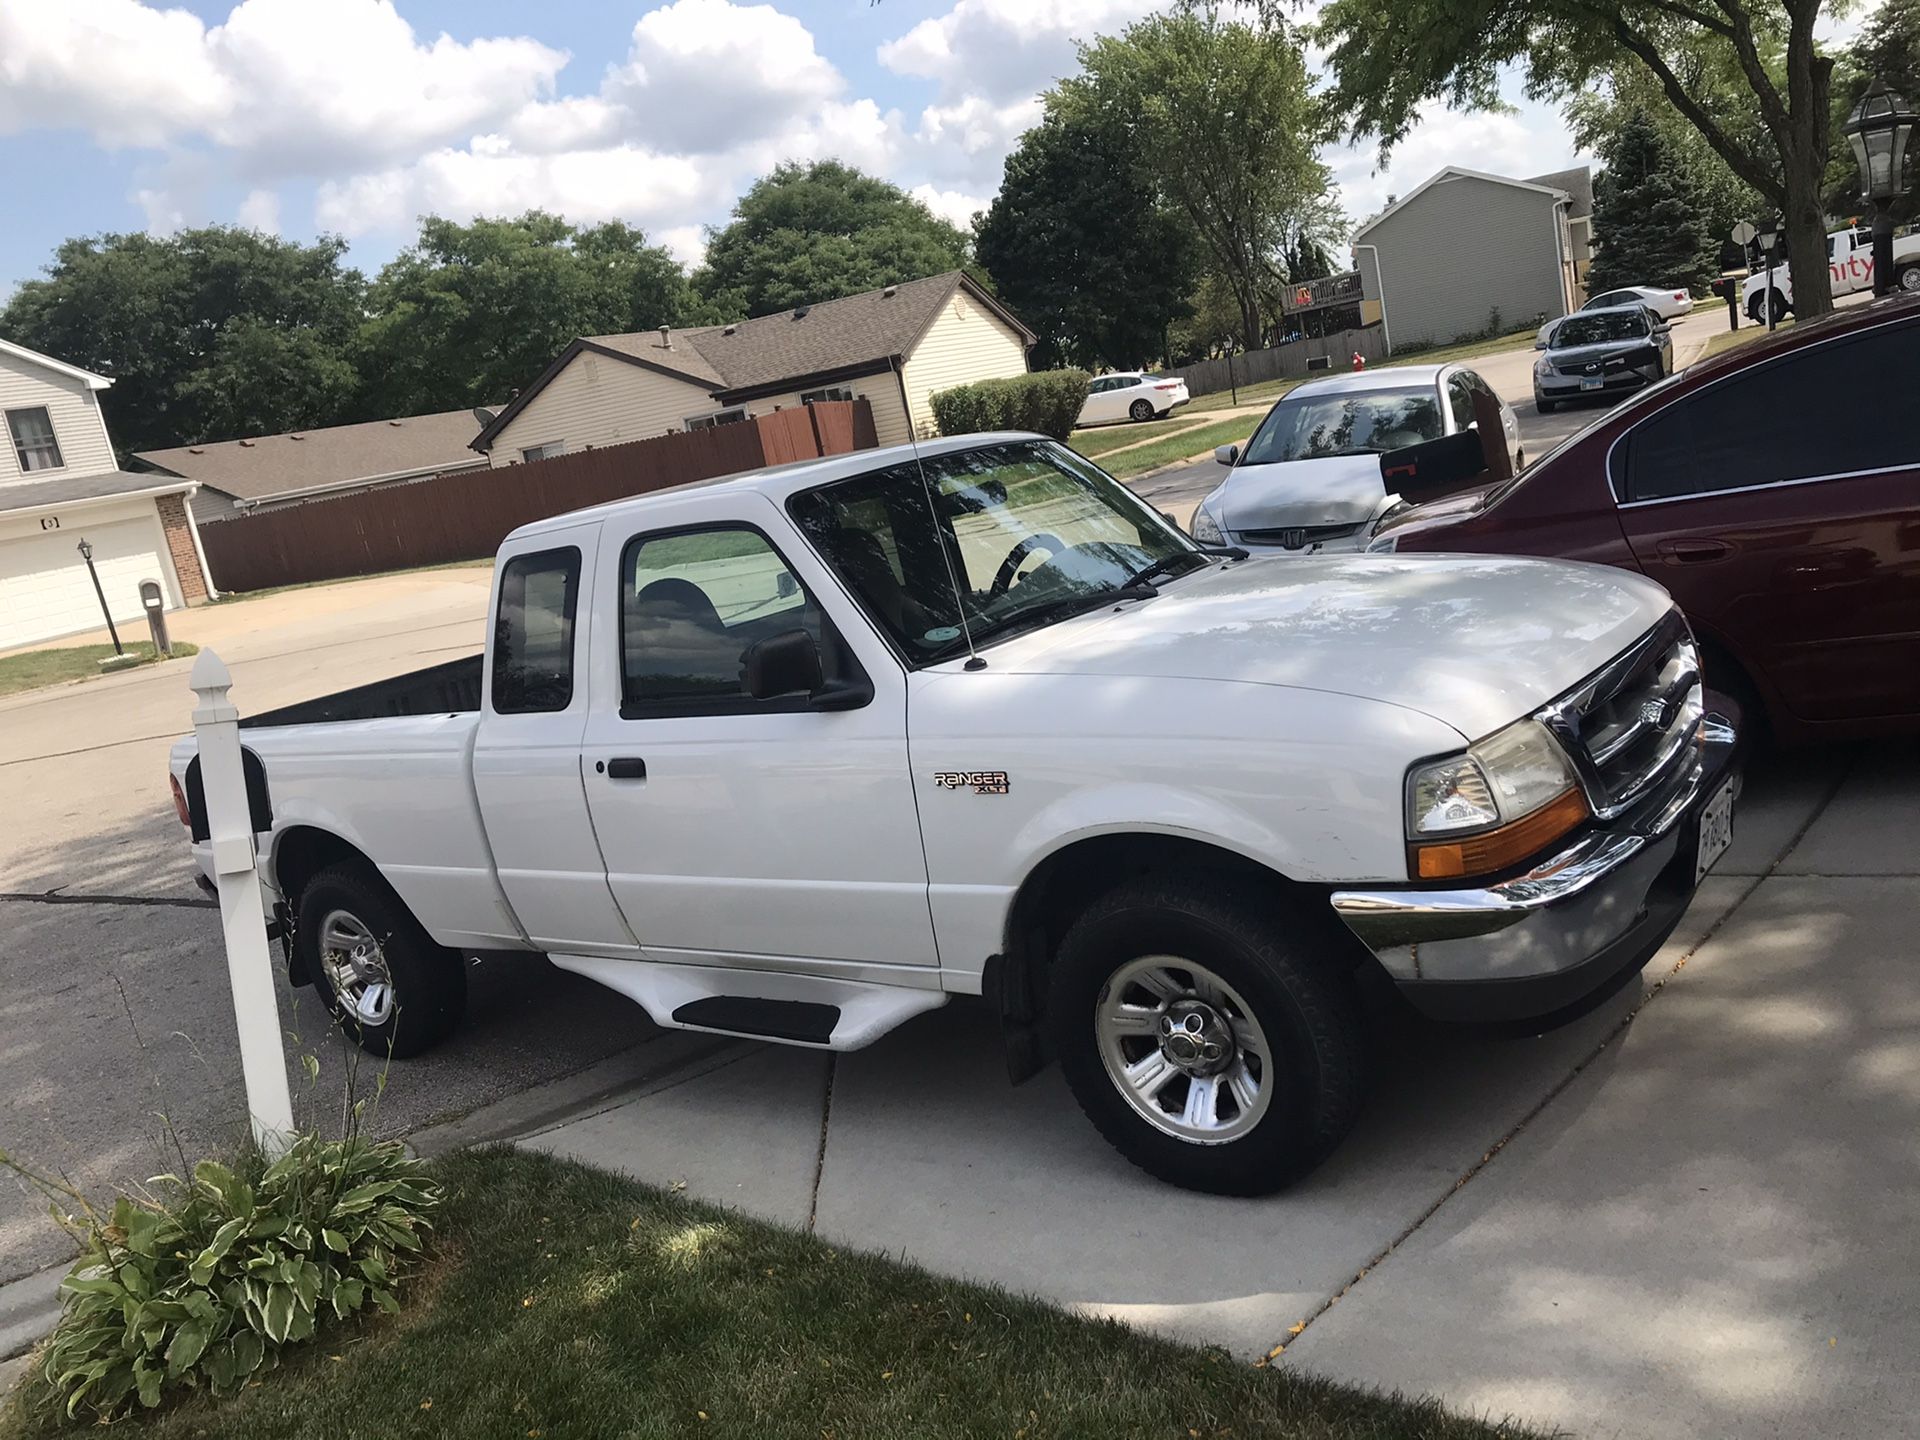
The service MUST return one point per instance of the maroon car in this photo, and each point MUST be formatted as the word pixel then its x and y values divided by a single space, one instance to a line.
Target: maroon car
pixel 1774 489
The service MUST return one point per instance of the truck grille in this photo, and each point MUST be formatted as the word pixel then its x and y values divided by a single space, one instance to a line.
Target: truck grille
pixel 1630 727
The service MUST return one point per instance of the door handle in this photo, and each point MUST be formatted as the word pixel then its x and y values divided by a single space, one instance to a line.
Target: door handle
pixel 627 767
pixel 1695 552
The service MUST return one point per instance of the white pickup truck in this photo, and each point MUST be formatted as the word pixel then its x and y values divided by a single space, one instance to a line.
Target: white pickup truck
pixel 800 754
pixel 1849 261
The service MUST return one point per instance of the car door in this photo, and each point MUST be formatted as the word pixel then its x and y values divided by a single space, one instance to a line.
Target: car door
pixel 1781 507
pixel 1100 401
pixel 735 829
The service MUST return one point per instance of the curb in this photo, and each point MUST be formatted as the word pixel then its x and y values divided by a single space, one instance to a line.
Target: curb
pixel 28 1308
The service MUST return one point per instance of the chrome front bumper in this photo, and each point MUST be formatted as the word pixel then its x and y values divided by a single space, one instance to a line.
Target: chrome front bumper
pixel 1540 941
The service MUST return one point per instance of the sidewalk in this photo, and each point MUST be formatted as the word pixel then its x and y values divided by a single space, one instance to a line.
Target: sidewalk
pixel 1685 1225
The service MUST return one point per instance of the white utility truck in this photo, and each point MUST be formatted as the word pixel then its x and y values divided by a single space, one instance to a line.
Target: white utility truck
pixel 801 754
pixel 1849 262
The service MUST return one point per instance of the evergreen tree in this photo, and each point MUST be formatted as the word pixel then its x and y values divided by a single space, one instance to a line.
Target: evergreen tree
pixel 1648 225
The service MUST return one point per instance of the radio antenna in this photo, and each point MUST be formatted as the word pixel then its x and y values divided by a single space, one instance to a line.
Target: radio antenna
pixel 974 662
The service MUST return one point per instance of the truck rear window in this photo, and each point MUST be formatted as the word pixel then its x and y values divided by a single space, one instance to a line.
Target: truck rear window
pixel 533 632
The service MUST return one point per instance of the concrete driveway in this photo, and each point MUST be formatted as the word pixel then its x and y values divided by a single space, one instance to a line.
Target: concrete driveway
pixel 116 1010
pixel 1691 1213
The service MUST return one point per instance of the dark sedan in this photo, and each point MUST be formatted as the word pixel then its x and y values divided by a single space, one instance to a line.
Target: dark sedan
pixel 1596 353
pixel 1774 489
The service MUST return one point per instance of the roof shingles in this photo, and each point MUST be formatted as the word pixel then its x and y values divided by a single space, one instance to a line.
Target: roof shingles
pixel 267 466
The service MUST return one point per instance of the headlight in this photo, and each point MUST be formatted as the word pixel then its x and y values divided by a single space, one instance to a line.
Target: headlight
pixel 1504 799
pixel 1206 529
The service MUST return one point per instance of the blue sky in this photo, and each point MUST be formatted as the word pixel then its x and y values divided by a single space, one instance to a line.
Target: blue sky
pixel 357 115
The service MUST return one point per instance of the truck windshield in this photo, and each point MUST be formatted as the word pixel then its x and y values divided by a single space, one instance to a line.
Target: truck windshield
pixel 1320 426
pixel 995 541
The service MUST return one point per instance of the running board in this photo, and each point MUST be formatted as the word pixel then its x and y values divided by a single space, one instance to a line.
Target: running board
pixel 818 1012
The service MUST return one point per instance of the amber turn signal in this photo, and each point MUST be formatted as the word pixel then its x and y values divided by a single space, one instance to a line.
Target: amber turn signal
pixel 1499 849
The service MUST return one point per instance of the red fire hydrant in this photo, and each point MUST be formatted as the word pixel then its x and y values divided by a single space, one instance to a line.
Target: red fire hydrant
pixel 1359 361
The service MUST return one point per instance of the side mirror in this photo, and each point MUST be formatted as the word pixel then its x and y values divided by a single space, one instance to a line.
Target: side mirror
pixel 1539 344
pixel 1226 454
pixel 1434 464
pixel 783 664
pixel 1663 329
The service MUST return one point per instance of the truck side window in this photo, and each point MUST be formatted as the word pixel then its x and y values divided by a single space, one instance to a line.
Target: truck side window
pixel 533 634
pixel 1460 400
pixel 1842 408
pixel 692 602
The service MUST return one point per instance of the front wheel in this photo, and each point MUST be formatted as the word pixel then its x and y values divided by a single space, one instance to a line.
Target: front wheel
pixel 1907 278
pixel 391 989
pixel 1545 407
pixel 1204 1037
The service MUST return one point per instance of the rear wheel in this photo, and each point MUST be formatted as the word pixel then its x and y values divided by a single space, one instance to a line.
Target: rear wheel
pixel 1907 278
pixel 1204 1036
pixel 389 986
pixel 1141 410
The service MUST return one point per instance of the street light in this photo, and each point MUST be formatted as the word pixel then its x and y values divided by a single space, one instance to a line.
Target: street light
pixel 86 554
pixel 1879 129
pixel 1769 237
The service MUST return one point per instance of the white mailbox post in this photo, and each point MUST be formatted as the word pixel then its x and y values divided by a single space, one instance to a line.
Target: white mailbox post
pixel 243 920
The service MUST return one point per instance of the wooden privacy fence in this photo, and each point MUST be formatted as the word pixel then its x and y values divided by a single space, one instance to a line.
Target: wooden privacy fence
pixel 465 516
pixel 1321 352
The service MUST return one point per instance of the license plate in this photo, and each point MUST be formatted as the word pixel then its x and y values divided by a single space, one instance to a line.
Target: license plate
pixel 1592 382
pixel 1716 829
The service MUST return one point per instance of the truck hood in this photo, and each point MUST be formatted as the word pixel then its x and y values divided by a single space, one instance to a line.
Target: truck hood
pixel 1338 490
pixel 1474 641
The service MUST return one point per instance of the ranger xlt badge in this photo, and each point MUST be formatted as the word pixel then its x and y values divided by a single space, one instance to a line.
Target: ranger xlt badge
pixel 984 782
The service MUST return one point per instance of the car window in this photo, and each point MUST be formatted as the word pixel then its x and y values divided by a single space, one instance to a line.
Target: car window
pixel 1837 409
pixel 1319 426
pixel 1600 328
pixel 989 542
pixel 692 603
pixel 533 632
pixel 1460 400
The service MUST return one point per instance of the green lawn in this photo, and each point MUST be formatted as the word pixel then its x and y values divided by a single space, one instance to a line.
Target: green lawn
pixel 1727 339
pixel 1265 391
pixel 34 668
pixel 1194 441
pixel 1467 350
pixel 576 1305
pixel 1097 442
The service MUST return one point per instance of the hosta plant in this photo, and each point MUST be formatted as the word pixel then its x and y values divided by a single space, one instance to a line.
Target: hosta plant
pixel 208 1283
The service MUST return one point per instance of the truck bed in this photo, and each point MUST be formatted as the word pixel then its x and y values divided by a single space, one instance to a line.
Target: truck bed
pixel 452 688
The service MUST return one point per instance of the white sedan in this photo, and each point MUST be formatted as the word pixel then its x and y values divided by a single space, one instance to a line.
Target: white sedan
pixel 1132 395
pixel 1668 304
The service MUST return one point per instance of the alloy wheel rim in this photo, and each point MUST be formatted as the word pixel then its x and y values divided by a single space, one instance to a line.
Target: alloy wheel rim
pixel 356 967
pixel 1184 1050
pixel 1910 279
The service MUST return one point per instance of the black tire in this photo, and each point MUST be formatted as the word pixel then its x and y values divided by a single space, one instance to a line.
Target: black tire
pixel 1776 302
pixel 1141 410
pixel 1297 994
pixel 428 981
pixel 1907 279
pixel 1545 407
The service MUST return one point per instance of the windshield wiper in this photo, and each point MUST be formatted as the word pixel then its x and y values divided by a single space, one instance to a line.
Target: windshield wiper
pixel 1165 565
pixel 1063 608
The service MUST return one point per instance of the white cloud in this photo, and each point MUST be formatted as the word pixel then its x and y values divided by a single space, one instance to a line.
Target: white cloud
pixel 952 205
pixel 1005 49
pixel 126 73
pixel 261 211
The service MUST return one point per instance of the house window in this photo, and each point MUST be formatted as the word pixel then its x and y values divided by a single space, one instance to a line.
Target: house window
pixel 33 439
pixel 544 452
pixel 719 417
pixel 832 392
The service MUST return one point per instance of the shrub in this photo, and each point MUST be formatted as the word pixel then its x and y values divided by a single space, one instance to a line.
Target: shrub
pixel 1048 401
pixel 206 1285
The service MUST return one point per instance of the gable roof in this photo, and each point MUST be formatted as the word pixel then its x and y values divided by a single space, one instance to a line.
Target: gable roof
pixel 72 372
pixel 1456 172
pixel 1577 182
pixel 772 353
pixel 267 467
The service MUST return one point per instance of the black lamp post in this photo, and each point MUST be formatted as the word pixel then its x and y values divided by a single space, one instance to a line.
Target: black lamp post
pixel 86 554
pixel 1879 129
pixel 1769 240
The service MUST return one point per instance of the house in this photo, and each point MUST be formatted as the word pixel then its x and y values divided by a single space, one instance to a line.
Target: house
pixel 265 472
pixel 894 347
pixel 60 485
pixel 1466 252
pixel 1578 183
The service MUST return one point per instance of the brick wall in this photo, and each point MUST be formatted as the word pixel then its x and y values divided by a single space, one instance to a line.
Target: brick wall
pixel 186 560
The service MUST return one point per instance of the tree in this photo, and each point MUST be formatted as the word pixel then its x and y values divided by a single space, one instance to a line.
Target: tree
pixel 1391 56
pixel 471 313
pixel 1226 116
pixel 807 233
pixel 1722 198
pixel 1079 243
pixel 1649 227
pixel 208 334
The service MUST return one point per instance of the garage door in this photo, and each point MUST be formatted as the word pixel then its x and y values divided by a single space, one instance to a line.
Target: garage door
pixel 44 589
